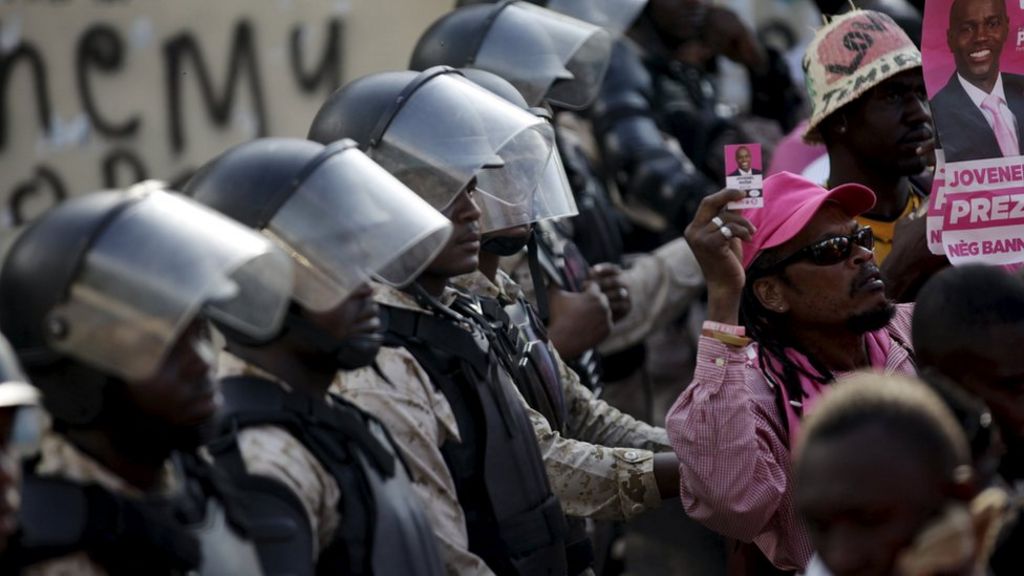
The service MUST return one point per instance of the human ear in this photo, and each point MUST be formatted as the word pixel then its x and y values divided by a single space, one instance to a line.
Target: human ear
pixel 768 292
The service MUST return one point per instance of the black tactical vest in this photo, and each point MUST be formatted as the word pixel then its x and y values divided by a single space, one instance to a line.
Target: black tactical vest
pixel 523 341
pixel 201 529
pixel 522 345
pixel 383 528
pixel 515 524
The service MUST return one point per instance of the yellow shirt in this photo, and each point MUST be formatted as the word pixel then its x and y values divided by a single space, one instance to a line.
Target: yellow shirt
pixel 884 231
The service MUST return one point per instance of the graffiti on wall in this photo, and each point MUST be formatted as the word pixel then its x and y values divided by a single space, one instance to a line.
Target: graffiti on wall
pixel 103 93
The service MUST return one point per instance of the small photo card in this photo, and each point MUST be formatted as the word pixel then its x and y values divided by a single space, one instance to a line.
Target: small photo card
pixel 743 172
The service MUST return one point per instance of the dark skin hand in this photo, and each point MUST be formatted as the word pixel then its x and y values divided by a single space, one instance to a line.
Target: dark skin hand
pixel 579 320
pixel 609 278
pixel 720 259
pixel 910 263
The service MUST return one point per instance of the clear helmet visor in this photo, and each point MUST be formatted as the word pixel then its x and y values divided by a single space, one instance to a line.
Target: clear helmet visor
pixel 616 16
pixel 530 187
pixel 513 50
pixel 519 50
pixel 449 130
pixel 350 219
pixel 554 198
pixel 506 194
pixel 162 261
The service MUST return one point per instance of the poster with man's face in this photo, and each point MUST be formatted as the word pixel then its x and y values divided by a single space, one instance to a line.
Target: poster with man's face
pixel 743 166
pixel 973 61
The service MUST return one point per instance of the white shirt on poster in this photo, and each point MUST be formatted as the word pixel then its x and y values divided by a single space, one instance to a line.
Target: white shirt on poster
pixel 977 96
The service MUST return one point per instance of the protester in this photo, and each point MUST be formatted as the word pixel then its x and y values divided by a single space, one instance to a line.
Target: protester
pixel 800 275
pixel 295 452
pixel 918 518
pixel 101 298
pixel 967 326
pixel 874 121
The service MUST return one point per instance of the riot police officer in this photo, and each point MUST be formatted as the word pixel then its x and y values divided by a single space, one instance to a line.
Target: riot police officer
pixel 439 384
pixel 104 299
pixel 316 461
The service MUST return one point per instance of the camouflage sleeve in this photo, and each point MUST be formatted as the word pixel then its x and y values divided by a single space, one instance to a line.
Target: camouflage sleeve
pixel 420 421
pixel 274 453
pixel 595 481
pixel 662 285
pixel 594 420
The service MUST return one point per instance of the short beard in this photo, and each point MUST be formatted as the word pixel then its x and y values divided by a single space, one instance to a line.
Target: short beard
pixel 871 320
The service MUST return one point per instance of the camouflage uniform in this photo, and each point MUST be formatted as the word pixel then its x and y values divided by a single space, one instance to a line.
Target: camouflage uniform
pixel 271 451
pixel 589 480
pixel 590 418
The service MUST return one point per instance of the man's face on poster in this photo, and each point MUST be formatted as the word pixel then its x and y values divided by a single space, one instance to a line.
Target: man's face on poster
pixel 743 159
pixel 977 31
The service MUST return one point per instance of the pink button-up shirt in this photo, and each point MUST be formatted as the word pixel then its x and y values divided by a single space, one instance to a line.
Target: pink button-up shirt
pixel 734 454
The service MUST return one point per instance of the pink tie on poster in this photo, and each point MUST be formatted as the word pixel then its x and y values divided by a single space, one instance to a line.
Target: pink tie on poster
pixel 1006 138
pixel 973 64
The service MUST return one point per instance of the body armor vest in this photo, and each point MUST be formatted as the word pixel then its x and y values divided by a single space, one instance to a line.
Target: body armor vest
pixel 524 341
pixel 515 524
pixel 201 530
pixel 523 347
pixel 383 529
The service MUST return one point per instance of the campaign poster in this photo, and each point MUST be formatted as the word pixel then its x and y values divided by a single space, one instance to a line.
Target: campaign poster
pixel 937 206
pixel 744 171
pixel 973 64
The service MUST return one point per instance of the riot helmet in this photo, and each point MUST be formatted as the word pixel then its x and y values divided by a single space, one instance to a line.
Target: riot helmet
pixel 338 214
pixel 616 16
pixel 106 283
pixel 552 198
pixel 548 56
pixel 437 132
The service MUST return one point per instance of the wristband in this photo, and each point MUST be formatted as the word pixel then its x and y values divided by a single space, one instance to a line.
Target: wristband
pixel 729 339
pixel 712 326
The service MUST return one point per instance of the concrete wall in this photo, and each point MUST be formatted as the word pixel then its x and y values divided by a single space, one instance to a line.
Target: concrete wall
pixel 102 93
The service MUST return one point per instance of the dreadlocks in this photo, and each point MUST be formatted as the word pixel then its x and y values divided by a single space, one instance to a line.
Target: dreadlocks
pixel 770 331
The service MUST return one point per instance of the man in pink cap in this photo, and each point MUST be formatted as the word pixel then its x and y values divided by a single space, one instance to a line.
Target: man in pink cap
pixel 801 274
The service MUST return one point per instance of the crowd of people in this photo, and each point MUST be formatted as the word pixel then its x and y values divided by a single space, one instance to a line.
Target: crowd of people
pixel 418 341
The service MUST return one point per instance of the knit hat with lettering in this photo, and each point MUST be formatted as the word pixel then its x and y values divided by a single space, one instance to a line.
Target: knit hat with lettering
pixel 851 54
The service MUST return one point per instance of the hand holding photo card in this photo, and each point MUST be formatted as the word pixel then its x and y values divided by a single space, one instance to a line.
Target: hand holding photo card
pixel 743 169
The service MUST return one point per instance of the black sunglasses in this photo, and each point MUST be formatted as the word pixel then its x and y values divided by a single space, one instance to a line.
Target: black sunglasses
pixel 831 250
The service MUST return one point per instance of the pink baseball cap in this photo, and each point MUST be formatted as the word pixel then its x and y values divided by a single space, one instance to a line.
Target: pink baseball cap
pixel 790 201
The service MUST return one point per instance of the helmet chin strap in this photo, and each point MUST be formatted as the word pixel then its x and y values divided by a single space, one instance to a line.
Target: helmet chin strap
pixel 505 245
pixel 540 287
pixel 509 246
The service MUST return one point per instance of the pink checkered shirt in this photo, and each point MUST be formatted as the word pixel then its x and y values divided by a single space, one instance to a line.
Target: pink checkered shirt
pixel 734 458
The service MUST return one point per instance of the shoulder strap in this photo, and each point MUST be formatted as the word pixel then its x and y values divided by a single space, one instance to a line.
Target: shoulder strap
pixel 252 401
pixel 336 435
pixel 403 325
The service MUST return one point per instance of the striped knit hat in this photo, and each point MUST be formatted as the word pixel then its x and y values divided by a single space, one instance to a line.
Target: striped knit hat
pixel 851 54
